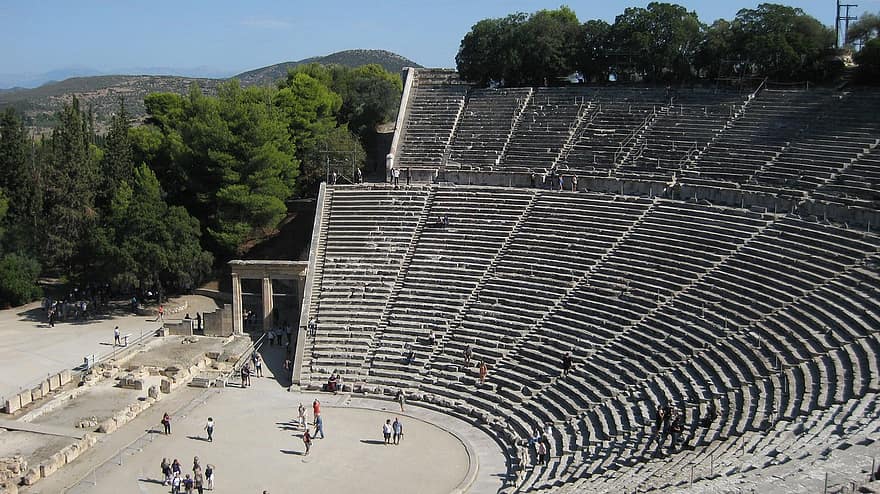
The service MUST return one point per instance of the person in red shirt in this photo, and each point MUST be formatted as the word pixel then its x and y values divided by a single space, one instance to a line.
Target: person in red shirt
pixel 316 408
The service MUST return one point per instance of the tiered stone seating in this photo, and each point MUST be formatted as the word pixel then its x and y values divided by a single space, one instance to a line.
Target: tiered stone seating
pixel 485 127
pixel 676 135
pixel 827 146
pixel 368 232
pixel 758 135
pixel 447 265
pixel 436 103
pixel 599 142
pixel 772 319
pixel 546 125
pixel 856 185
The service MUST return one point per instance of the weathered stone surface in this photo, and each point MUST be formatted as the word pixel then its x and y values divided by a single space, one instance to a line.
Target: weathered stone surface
pixel 44 386
pixel 153 392
pixel 13 404
pixel 31 477
pixel 55 382
pixel 88 441
pixel 70 452
pixel 107 426
pixel 9 487
pixel 64 376
pixel 165 386
pixel 36 393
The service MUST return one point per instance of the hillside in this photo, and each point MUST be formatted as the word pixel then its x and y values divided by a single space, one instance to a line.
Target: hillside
pixel 392 62
pixel 102 93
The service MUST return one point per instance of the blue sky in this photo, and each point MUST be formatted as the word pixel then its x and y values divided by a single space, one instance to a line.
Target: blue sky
pixel 232 36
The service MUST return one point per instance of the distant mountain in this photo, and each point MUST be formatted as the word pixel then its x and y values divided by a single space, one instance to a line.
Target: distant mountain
pixel 39 105
pixel 30 81
pixel 102 93
pixel 391 62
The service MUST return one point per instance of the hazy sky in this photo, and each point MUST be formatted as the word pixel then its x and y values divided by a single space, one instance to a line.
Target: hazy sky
pixel 232 36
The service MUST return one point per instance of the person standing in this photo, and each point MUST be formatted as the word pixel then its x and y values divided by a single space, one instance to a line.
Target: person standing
pixel 258 363
pixel 302 416
pixel 468 353
pixel 574 183
pixel 541 451
pixel 395 176
pixel 484 371
pixel 360 176
pixel 161 316
pixel 387 430
pixel 188 484
pixel 199 321
pixel 166 471
pixel 307 441
pixel 319 427
pixel 209 428
pixel 566 363
pixel 116 336
pixel 316 407
pixel 397 428
pixel 209 477
pixel 175 483
pixel 401 399
pixel 166 423
pixel 199 481
pixel 408 175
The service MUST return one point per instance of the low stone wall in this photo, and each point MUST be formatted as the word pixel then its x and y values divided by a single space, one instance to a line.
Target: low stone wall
pixel 51 384
pixel 219 322
pixel 64 456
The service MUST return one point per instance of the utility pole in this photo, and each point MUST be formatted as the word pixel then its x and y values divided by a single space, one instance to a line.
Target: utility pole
pixel 842 18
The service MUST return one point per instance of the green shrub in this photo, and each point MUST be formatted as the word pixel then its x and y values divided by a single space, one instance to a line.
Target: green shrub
pixel 18 280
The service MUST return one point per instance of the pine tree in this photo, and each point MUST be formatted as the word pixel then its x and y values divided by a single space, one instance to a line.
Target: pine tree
pixel 117 164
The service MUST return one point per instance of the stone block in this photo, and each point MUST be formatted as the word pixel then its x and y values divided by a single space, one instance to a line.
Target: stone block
pixel 25 398
pixel 36 393
pixel 71 452
pixel 88 441
pixel 13 404
pixel 165 386
pixel 107 426
pixel 51 465
pixel 153 392
pixel 64 376
pixel 55 382
pixel 32 476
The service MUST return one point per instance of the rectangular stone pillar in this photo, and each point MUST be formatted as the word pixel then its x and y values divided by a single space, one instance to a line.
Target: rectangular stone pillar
pixel 268 303
pixel 237 322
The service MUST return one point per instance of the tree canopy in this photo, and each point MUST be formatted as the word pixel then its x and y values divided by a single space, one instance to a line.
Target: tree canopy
pixel 660 42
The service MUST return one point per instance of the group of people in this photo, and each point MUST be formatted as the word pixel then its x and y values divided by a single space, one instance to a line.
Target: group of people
pixel 554 181
pixel 308 437
pixel 276 334
pixel 198 320
pixel 392 431
pixel 669 422
pixel 198 480
pixel 395 176
pixel 540 441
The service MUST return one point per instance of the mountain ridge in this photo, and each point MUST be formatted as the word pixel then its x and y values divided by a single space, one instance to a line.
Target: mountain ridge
pixel 102 92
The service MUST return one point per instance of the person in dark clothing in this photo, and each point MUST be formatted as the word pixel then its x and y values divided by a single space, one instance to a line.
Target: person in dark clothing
pixel 566 363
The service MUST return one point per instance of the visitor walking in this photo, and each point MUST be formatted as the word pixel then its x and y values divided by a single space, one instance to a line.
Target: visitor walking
pixel 387 430
pixel 302 415
pixel 166 423
pixel 166 471
pixel 397 428
pixel 316 407
pixel 401 399
pixel 484 371
pixel 319 427
pixel 468 353
pixel 209 477
pixel 307 441
pixel 258 364
pixel 209 428
pixel 116 336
